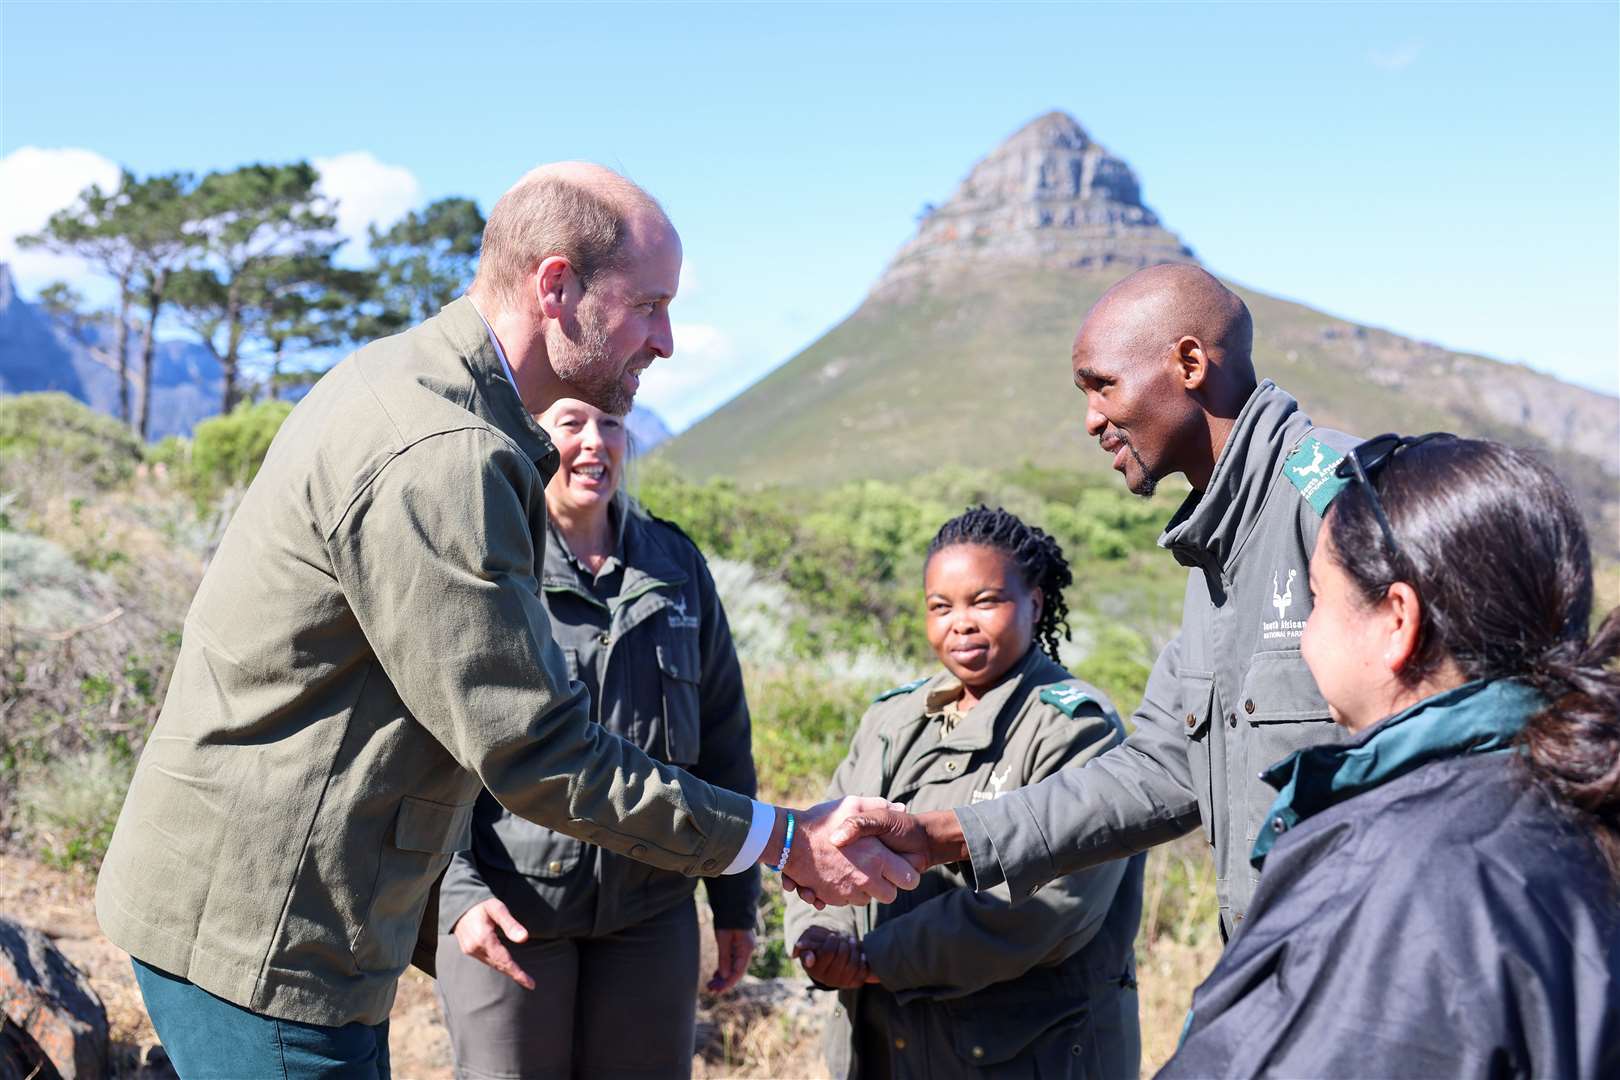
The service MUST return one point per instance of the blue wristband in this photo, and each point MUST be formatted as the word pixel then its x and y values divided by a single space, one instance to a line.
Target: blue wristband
pixel 787 845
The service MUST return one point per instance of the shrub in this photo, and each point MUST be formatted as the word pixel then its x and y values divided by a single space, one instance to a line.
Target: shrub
pixel 70 806
pixel 226 451
pixel 52 432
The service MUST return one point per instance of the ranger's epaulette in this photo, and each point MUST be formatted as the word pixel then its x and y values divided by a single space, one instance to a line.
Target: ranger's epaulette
pixel 1310 469
pixel 897 691
pixel 1066 699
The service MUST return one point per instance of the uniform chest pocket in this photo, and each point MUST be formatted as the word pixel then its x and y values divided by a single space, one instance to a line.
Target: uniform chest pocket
pixel 678 673
pixel 1197 704
pixel 1282 711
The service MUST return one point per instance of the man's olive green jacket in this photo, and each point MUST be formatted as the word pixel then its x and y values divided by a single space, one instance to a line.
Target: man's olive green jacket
pixel 366 652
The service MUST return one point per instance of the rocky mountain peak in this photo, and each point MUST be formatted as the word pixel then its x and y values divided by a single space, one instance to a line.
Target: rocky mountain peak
pixel 1048 197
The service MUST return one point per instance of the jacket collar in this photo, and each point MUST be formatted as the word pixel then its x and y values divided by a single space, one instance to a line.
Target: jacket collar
pixel 1479 717
pixel 1210 525
pixel 648 563
pixel 977 729
pixel 493 397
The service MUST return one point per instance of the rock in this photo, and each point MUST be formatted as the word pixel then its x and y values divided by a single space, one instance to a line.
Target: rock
pixel 46 998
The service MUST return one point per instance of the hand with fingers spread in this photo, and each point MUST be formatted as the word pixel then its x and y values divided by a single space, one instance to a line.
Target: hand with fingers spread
pixel 734 949
pixel 824 873
pixel 479 934
pixel 832 959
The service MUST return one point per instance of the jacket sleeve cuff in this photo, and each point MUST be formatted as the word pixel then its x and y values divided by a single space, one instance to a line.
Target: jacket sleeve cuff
pixel 1006 844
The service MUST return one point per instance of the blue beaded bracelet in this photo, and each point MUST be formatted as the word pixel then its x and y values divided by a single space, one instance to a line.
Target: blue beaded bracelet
pixel 787 845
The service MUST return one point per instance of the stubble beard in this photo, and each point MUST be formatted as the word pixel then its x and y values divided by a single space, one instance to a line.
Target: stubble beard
pixel 1147 485
pixel 590 371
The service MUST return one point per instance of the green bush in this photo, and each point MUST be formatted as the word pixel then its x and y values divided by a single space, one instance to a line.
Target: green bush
pixel 70 806
pixel 226 451
pixel 53 431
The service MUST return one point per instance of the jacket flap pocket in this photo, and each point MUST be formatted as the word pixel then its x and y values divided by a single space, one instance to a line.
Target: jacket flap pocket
pixel 433 827
pixel 678 663
pixel 1279 689
pixel 994 1027
pixel 1197 699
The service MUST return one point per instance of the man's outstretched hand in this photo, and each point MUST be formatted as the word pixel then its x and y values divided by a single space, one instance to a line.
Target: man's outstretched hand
pixel 923 839
pixel 856 872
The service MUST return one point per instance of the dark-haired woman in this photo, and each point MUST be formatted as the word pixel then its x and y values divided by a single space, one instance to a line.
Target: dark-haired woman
pixel 1441 896
pixel 947 981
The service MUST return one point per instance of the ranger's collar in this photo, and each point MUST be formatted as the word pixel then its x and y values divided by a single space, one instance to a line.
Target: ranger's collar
pixel 493 396
pixel 1478 717
pixel 637 546
pixel 1211 524
pixel 977 728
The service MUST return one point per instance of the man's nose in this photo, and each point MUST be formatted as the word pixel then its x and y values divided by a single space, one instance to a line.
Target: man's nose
pixel 1095 420
pixel 662 339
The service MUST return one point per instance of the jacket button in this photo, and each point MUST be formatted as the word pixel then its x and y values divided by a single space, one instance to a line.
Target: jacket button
pixel 1278 825
pixel 638 851
pixel 1248 706
pixel 603 637
pixel 554 866
pixel 978 1051
pixel 1231 719
pixel 709 864
pixel 1075 1049
pixel 950 766
pixel 1192 721
pixel 899 1044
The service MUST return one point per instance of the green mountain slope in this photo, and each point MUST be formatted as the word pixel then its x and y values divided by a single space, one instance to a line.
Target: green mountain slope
pixel 937 369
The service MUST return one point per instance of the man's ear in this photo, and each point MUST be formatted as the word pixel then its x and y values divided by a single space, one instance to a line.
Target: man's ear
pixel 1192 362
pixel 1403 615
pixel 556 286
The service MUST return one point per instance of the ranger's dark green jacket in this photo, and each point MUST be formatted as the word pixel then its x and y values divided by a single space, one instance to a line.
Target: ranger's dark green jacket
pixel 648 638
pixel 1227 697
pixel 367 651
pixel 971 984
pixel 1425 911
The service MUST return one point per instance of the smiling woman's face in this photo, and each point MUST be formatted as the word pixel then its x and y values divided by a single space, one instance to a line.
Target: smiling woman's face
pixel 591 445
pixel 981 615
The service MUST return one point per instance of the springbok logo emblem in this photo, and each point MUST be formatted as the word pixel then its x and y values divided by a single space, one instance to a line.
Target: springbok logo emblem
pixel 994 786
pixel 1313 469
pixel 1282 600
pixel 678 618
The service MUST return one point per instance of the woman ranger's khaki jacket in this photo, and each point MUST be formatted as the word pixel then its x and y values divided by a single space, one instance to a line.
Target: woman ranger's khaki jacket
pixel 970 984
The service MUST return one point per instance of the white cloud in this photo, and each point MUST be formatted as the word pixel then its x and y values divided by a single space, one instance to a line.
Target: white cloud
pixel 1396 57
pixel 368 191
pixel 34 184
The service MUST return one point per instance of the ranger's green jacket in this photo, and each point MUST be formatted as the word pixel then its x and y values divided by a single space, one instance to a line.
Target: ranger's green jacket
pixel 648 638
pixel 366 652
pixel 1227 697
pixel 971 983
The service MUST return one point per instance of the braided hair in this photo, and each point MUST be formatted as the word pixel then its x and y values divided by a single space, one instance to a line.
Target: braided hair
pixel 1037 556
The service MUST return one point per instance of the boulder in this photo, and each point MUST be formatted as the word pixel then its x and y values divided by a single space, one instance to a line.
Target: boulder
pixel 47 1002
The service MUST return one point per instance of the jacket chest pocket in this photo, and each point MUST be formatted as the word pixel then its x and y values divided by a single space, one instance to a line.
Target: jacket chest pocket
pixel 1198 704
pixel 425 835
pixel 1281 711
pixel 678 674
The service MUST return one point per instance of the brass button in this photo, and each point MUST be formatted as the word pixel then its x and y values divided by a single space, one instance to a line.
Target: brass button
pixel 978 1051
pixel 899 1044
pixel 950 766
pixel 638 851
pixel 1192 721
pixel 554 866
pixel 603 637
pixel 1248 706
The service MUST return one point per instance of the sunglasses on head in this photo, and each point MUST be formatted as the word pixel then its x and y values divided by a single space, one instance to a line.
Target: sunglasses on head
pixel 1372 455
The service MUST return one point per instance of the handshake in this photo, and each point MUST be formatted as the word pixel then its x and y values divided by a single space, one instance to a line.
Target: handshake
pixel 857 849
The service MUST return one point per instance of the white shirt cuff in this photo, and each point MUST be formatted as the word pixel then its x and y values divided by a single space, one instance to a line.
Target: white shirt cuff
pixel 759 834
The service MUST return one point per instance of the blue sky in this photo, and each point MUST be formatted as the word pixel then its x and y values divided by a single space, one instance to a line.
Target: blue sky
pixel 1449 171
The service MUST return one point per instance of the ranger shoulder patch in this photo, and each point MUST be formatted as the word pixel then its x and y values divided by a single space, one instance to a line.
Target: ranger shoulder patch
pixel 1310 469
pixel 897 691
pixel 1066 699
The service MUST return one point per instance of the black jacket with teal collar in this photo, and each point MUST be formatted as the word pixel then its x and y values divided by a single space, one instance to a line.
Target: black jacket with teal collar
pixel 648 639
pixel 1227 697
pixel 1424 911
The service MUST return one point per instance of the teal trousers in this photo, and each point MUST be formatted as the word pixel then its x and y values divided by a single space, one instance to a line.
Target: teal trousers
pixel 208 1038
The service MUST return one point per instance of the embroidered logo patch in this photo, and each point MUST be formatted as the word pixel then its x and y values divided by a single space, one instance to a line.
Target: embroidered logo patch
pixel 1310 469
pixel 996 782
pixel 1282 598
pixel 678 618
